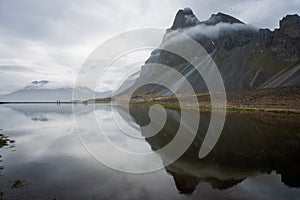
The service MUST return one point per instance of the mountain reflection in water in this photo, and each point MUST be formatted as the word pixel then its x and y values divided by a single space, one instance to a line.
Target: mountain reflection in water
pixel 256 157
pixel 249 146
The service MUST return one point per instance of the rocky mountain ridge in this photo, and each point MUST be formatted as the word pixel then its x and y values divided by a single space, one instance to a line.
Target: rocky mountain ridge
pixel 247 58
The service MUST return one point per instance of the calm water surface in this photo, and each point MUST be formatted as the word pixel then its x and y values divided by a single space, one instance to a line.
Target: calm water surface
pixel 257 156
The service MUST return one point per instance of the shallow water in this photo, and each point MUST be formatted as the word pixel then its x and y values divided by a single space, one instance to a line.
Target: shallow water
pixel 256 157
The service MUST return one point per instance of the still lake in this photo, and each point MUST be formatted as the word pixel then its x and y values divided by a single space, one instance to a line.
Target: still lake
pixel 256 157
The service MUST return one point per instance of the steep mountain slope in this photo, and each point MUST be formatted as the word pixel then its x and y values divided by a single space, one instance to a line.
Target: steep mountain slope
pixel 247 57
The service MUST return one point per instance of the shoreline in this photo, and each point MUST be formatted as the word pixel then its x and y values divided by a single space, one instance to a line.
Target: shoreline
pixel 173 105
pixel 228 108
pixel 273 100
pixel 41 102
pixel 277 100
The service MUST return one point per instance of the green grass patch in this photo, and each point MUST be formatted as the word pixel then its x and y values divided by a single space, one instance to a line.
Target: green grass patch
pixel 16 184
pixel 205 107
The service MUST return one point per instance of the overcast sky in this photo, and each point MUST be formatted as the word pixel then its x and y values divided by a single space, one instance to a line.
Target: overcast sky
pixel 49 40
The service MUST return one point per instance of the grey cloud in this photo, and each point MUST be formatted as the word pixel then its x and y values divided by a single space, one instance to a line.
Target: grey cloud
pixel 214 31
pixel 43 82
pixel 14 68
pixel 37 84
pixel 53 22
pixel 53 37
pixel 260 13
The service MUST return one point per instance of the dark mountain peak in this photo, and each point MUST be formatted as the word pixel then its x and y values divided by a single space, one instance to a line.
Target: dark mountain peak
pixel 222 18
pixel 188 11
pixel 286 43
pixel 290 25
pixel 290 20
pixel 184 18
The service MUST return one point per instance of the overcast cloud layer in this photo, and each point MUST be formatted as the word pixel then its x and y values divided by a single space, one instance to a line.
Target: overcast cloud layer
pixel 49 40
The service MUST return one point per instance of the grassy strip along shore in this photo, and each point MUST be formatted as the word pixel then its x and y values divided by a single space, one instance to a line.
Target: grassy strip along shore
pixel 277 100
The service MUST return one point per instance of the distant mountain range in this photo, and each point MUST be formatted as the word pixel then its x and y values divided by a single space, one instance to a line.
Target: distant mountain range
pixel 248 58
pixel 30 93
